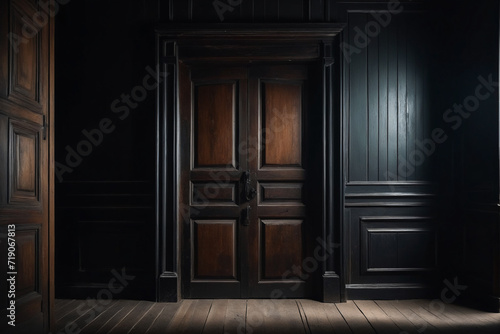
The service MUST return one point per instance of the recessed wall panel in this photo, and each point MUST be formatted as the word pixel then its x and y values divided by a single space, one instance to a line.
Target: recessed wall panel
pixel 408 245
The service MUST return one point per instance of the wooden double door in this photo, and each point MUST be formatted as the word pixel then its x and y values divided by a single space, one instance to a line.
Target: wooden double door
pixel 249 156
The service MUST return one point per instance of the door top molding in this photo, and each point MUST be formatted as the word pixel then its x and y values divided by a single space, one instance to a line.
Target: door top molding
pixel 271 32
pixel 246 42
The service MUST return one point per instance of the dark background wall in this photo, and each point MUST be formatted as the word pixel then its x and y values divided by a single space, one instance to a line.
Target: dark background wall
pixel 105 205
pixel 468 161
pixel 396 90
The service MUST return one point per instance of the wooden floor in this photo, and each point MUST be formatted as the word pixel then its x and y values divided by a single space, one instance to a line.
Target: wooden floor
pixel 271 316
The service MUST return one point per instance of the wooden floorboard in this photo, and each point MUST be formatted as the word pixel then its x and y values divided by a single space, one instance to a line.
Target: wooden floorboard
pixel 136 313
pixel 166 311
pixel 268 316
pixel 443 314
pixel 291 315
pixel 198 318
pixel 161 326
pixel 163 319
pixel 336 319
pixel 419 322
pixel 75 315
pixel 377 318
pixel 316 318
pixel 67 309
pixel 476 321
pixel 60 304
pixel 442 324
pixel 263 316
pixel 90 327
pixel 355 318
pixel 116 318
pixel 236 314
pixel 216 318
pixel 397 317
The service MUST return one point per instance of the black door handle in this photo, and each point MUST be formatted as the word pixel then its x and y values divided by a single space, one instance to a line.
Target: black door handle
pixel 249 191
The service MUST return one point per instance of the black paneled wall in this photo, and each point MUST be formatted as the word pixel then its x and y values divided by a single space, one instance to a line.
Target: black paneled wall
pixel 387 83
pixel 390 224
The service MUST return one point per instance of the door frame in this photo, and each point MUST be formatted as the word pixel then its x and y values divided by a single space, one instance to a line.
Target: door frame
pixel 243 43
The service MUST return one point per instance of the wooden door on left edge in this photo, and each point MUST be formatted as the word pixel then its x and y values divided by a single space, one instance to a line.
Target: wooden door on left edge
pixel 26 101
pixel 245 180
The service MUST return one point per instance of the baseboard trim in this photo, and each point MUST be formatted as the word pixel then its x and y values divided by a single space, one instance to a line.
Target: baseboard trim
pixel 331 288
pixel 168 288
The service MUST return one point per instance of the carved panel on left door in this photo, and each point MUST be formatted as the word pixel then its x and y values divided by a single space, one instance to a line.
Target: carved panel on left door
pixel 25 58
pixel 27 244
pixel 24 164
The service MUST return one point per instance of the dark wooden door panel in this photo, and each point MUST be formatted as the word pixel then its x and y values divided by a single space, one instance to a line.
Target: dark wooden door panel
pixel 27 58
pixel 214 122
pixel 215 249
pixel 282 247
pixel 24 177
pixel 281 132
pixel 213 115
pixel 245 230
pixel 281 229
pixel 25 111
pixel 281 192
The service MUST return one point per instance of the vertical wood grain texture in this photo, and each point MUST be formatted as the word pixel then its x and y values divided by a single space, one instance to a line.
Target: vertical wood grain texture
pixel 26 157
pixel 392 108
pixel 291 10
pixel 259 9
pixel 215 249
pixel 317 10
pixel 387 95
pixel 411 67
pixel 282 130
pixel 373 64
pixel 24 62
pixel 358 127
pixel 383 99
pixel 27 244
pixel 403 171
pixel 282 247
pixel 215 122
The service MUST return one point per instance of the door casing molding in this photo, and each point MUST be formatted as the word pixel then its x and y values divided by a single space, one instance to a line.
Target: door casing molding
pixel 243 43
